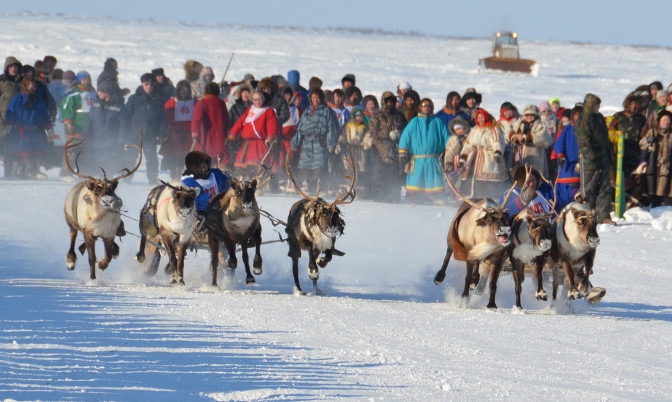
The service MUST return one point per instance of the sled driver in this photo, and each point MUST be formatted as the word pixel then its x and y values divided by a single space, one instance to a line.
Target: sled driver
pixel 199 173
pixel 534 193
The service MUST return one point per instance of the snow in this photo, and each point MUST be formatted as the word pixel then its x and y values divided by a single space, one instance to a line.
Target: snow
pixel 381 330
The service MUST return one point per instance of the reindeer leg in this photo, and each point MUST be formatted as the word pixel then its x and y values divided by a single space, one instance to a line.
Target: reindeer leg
pixel 213 242
pixel 572 292
pixel 476 278
pixel 171 251
pixel 181 253
pixel 249 278
pixel 518 271
pixel 441 275
pixel 71 257
pixel 90 243
pixel 495 269
pixel 294 253
pixel 140 255
pixel 257 263
pixel 231 249
pixel 322 262
pixel 556 279
pixel 313 271
pixel 538 273
pixel 109 253
pixel 468 278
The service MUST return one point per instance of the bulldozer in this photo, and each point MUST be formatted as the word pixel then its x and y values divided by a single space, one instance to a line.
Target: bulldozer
pixel 506 56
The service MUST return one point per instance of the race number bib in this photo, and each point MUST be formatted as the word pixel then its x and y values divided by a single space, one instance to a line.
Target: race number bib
pixel 184 110
pixel 209 185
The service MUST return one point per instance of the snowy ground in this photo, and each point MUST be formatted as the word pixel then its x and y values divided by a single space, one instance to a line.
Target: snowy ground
pixel 382 330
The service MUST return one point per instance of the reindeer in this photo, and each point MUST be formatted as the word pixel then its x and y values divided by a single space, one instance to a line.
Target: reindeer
pixel 93 208
pixel 479 232
pixel 170 214
pixel 313 225
pixel 573 249
pixel 233 218
pixel 531 238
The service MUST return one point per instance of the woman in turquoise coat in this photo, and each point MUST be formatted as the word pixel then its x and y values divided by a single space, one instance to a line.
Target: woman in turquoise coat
pixel 420 148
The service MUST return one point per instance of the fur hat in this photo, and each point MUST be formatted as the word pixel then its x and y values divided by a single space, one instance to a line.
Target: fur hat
pixel 461 122
pixel 248 76
pixel 106 87
pixel 192 70
pixel 196 158
pixel 267 82
pixel 69 75
pixel 158 72
pixel 519 173
pixel 471 95
pixel 242 87
pixel 314 82
pixel 531 109
pixel 110 64
pixel 630 98
pixel 386 95
pixel 147 77
pixel 349 77
pixel 656 84
pixel 663 113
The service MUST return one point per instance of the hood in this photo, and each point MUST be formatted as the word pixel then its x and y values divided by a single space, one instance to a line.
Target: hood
pixel 293 77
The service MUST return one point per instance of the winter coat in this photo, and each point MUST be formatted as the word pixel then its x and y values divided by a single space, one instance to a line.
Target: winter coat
pixel 455 144
pixel 479 150
pixel 593 138
pixel 446 115
pixel 422 142
pixel 533 151
pixel 631 126
pixel 384 122
pixel 198 86
pixel 209 126
pixel 293 77
pixel 279 103
pixel 179 114
pixel 658 142
pixel 164 90
pixel 75 108
pixel 256 132
pixel 144 114
pixel 10 85
pixel 29 117
pixel 316 136
pixel 569 179
pixel 288 130
pixel 237 110
pixel 216 183
pixel 351 139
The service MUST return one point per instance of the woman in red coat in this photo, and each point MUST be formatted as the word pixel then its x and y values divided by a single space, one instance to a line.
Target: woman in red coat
pixel 257 127
pixel 209 126
pixel 179 112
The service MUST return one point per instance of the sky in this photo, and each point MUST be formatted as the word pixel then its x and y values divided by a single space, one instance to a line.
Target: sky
pixel 615 22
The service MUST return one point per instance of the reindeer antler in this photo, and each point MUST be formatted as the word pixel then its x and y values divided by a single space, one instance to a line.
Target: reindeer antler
pixel 463 198
pixel 125 172
pixel 296 186
pixel 67 146
pixel 341 198
pixel 263 169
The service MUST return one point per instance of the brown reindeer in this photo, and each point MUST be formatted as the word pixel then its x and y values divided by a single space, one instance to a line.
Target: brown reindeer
pixel 169 214
pixel 573 250
pixel 479 232
pixel 233 218
pixel 93 208
pixel 313 225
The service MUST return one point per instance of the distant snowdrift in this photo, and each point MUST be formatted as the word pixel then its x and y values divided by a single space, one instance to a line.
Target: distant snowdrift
pixel 660 218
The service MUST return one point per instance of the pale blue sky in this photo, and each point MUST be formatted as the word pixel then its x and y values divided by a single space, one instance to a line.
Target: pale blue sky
pixel 614 21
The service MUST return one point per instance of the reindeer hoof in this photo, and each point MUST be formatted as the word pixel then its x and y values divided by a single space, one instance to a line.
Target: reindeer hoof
pixel 491 306
pixel 70 263
pixel 140 258
pixel 314 275
pixel 233 264
pixel 542 295
pixel 258 270
pixel 177 280
pixel 250 280
pixel 102 264
pixel 439 277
